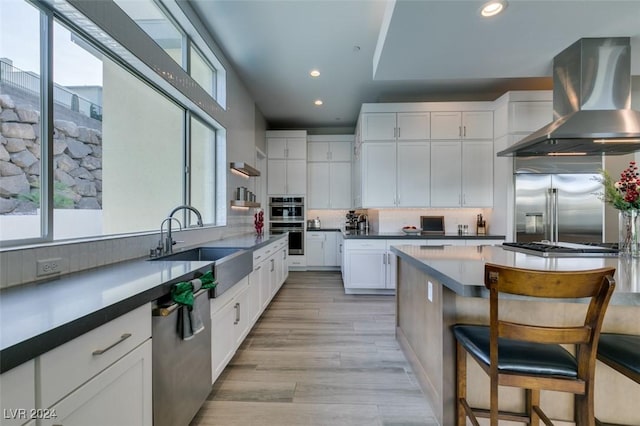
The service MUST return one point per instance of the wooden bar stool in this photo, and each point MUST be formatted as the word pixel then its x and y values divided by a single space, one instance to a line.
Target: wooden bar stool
pixel 529 356
pixel 622 353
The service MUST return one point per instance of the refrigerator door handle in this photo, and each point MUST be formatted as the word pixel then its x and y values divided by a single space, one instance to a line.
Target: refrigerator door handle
pixel 551 233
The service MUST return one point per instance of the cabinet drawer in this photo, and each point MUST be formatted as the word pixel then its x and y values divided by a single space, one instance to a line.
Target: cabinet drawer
pixel 66 367
pixel 365 244
pixel 262 253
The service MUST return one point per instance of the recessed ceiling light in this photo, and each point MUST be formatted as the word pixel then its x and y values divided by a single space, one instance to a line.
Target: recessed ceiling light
pixel 318 102
pixel 314 73
pixel 493 7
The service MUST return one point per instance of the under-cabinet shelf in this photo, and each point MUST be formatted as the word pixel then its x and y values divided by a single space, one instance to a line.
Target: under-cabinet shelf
pixel 241 203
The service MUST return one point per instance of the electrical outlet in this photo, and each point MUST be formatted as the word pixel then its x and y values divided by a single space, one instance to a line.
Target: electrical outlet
pixel 430 291
pixel 49 266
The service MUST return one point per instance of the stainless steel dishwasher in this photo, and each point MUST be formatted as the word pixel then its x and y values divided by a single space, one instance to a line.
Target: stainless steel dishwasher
pixel 181 368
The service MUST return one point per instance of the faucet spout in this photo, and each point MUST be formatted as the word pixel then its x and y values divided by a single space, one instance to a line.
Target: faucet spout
pixel 169 241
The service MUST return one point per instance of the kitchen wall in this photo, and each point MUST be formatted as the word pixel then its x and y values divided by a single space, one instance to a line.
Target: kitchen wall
pixel 245 127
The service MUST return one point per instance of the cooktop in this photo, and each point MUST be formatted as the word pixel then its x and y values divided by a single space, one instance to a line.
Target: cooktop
pixel 560 249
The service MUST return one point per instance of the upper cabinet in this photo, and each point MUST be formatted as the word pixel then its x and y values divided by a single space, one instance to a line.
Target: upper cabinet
pixel 329 171
pixel 456 125
pixel 287 162
pixel 407 126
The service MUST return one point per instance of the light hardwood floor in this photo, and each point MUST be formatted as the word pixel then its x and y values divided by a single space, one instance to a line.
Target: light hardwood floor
pixel 319 357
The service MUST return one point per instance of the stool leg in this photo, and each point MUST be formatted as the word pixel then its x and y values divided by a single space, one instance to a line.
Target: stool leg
pixel 584 410
pixel 461 383
pixel 533 399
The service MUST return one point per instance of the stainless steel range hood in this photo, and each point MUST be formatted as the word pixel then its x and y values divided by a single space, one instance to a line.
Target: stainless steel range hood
pixel 591 104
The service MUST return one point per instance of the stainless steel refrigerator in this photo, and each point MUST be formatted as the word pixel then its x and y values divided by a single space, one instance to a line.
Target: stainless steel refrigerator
pixel 557 200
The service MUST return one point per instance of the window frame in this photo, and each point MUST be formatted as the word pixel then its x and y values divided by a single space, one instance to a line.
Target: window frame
pixel 48 15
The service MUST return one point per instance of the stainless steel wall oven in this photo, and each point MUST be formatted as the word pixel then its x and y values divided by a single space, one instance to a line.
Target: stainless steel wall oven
pixel 286 214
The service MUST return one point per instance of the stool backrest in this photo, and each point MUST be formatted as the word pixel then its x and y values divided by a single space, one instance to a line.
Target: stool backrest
pixel 596 284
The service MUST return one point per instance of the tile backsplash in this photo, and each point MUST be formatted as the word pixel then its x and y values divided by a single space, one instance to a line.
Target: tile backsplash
pixel 18 266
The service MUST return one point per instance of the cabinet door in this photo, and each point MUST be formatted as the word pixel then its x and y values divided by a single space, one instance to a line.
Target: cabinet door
pixel 223 337
pixel 379 174
pixel 339 248
pixel 446 125
pixel 477 125
pixel 254 304
pixel 379 126
pixel 277 176
pixel 365 269
pixel 285 262
pixel 315 248
pixel 277 148
pixel 241 322
pixel 318 151
pixel 340 151
pixel 297 148
pixel 330 249
pixel 18 391
pixel 318 185
pixel 413 126
pixel 445 174
pixel 413 174
pixel 120 395
pixel 340 185
pixel 296 177
pixel 265 284
pixel 477 174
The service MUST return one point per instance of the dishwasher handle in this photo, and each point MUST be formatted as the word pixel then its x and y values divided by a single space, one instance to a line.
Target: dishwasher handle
pixel 165 311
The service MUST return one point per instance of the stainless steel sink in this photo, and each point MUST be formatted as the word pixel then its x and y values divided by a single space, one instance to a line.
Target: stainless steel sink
pixel 230 264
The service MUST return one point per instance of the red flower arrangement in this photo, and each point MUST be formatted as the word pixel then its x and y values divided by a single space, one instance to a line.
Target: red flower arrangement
pixel 258 222
pixel 623 194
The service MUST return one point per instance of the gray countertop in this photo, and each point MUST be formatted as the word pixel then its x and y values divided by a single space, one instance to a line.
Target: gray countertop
pixel 359 235
pixel 35 318
pixel 461 268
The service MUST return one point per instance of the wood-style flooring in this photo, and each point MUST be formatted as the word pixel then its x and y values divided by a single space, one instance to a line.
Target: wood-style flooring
pixel 319 357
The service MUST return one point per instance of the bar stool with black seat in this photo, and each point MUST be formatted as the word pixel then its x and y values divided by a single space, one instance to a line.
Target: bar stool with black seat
pixel 622 353
pixel 530 356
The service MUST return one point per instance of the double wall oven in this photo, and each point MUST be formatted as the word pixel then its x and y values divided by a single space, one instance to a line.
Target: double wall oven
pixel 286 214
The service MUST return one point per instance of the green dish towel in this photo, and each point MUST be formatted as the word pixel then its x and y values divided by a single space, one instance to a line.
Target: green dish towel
pixel 189 321
pixel 182 292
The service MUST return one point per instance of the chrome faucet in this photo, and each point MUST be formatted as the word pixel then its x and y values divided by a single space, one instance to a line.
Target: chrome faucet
pixel 160 249
pixel 364 218
pixel 168 245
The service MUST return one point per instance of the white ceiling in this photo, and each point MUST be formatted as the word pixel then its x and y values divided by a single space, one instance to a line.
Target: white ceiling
pixel 424 50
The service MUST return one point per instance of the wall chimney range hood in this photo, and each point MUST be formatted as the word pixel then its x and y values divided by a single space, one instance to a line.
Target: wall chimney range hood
pixel 591 104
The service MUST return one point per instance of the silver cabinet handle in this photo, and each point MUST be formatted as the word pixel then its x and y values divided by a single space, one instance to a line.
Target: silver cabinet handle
pixel 464 133
pixel 399 132
pixel 273 262
pixel 460 131
pixel 124 337
pixel 237 308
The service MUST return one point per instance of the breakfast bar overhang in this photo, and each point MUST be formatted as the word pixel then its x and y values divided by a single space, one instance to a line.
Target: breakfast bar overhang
pixel 438 286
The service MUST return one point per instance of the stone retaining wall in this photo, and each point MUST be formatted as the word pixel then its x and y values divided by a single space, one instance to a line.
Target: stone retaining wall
pixel 77 152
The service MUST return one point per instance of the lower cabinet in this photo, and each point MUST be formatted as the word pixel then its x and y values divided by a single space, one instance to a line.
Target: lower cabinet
pixel 322 249
pixel 234 313
pixel 229 321
pixel 120 395
pixel 18 394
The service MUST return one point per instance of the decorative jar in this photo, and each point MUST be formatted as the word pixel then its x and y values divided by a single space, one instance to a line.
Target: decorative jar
pixel 629 232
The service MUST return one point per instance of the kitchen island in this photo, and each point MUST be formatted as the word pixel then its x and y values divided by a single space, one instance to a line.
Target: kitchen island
pixel 438 286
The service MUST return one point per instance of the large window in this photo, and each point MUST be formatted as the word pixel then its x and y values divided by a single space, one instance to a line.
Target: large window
pixel 202 71
pixel 20 124
pixel 152 20
pixel 119 148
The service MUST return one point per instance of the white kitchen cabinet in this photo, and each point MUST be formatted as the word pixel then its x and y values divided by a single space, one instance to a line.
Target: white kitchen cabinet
pixel 379 174
pixel 287 147
pixel 462 174
pixel 17 388
pixel 339 248
pixel 408 126
pixel 229 321
pixel 528 116
pixel 322 249
pixel 254 299
pixel 286 162
pixel 119 395
pixel 287 177
pixel 329 148
pixel 413 174
pixel 395 174
pixel 479 242
pixel 462 125
pixel 329 185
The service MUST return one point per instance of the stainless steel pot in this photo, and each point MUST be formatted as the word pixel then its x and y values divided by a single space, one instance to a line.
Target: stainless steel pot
pixel 313 223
